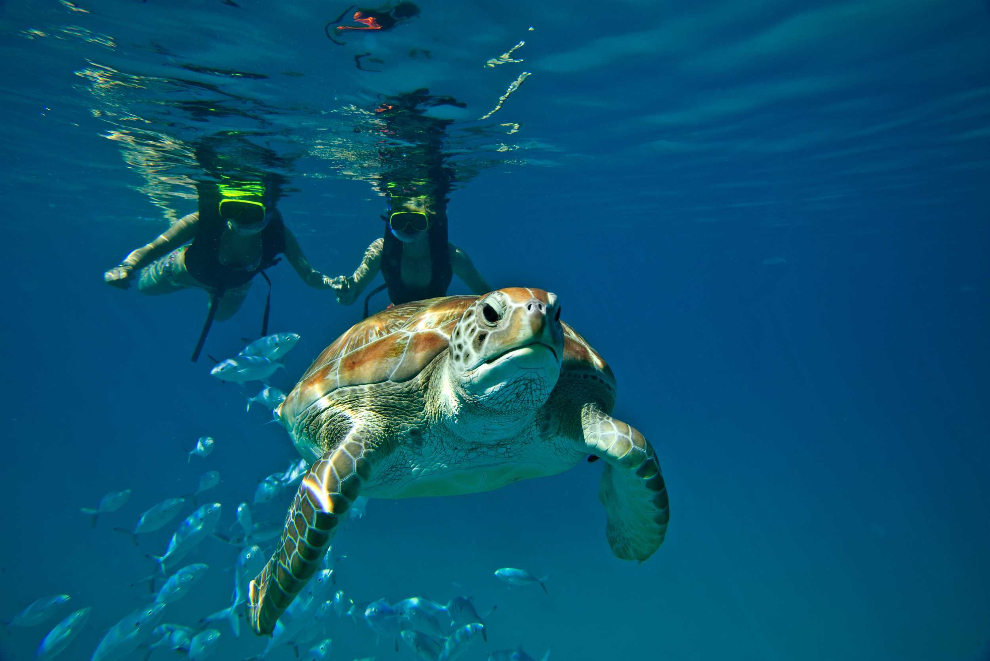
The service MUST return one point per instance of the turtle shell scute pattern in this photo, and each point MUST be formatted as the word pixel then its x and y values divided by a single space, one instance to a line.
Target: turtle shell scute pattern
pixel 580 359
pixel 393 345
pixel 396 344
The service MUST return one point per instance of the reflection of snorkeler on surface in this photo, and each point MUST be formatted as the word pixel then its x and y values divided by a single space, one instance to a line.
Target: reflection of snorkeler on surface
pixel 384 18
pixel 414 256
pixel 236 234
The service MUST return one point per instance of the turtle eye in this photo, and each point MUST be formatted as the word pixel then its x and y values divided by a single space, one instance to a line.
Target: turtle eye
pixel 490 313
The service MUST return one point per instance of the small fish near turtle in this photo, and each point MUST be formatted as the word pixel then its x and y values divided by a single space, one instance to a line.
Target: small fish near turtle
pixel 109 503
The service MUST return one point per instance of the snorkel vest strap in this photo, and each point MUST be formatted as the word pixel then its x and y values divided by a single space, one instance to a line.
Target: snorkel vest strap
pixel 367 299
pixel 214 304
pixel 268 305
pixel 215 297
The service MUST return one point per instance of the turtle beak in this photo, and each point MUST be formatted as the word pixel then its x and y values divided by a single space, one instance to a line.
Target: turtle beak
pixel 532 323
pixel 544 324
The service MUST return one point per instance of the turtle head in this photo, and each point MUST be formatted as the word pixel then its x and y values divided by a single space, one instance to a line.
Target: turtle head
pixel 506 350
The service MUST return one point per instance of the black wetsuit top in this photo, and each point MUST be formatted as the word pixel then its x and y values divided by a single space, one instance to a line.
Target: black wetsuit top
pixel 203 254
pixel 442 271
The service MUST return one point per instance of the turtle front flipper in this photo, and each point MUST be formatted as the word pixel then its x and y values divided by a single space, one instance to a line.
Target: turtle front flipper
pixel 327 491
pixel 632 487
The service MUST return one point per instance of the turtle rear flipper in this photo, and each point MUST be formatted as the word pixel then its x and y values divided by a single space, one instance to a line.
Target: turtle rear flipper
pixel 327 491
pixel 632 487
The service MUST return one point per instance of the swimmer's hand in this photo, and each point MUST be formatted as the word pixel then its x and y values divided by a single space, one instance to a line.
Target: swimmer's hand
pixel 344 290
pixel 119 276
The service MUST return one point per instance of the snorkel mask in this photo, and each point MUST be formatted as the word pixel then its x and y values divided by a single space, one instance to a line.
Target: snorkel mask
pixel 410 221
pixel 242 206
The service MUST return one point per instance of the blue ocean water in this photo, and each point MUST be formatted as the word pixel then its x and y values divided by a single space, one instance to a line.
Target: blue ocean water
pixel 769 218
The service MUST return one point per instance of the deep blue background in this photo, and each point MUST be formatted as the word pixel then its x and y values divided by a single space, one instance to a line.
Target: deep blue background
pixel 812 373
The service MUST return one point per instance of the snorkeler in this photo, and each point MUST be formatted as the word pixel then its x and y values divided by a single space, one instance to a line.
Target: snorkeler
pixel 414 256
pixel 236 234
pixel 384 18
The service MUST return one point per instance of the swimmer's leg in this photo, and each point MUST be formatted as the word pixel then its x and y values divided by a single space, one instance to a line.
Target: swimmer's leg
pixel 231 302
pixel 165 276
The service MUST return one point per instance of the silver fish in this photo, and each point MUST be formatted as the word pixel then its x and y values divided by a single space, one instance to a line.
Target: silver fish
pixel 358 508
pixel 64 633
pixel 519 577
pixel 38 611
pixel 269 397
pixel 459 641
pixel 207 481
pixel 179 583
pixel 109 503
pixel 294 473
pixel 438 611
pixel 271 347
pixel 384 620
pixel 193 530
pixel 172 637
pixel 462 611
pixel 300 624
pixel 125 636
pixel 168 627
pixel 425 647
pixel 179 546
pixel 421 615
pixel 261 532
pixel 319 651
pixel 230 613
pixel 249 564
pixel 244 518
pixel 268 489
pixel 330 560
pixel 204 644
pixel 155 517
pixel 204 446
pixel 320 586
pixel 245 368
pixel 265 531
pixel 341 603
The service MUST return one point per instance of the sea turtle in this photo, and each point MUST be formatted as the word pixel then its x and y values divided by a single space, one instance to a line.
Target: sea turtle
pixel 455 395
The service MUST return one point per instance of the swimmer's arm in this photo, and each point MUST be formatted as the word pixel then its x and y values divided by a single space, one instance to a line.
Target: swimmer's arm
pixel 181 232
pixel 309 275
pixel 349 288
pixel 371 263
pixel 464 269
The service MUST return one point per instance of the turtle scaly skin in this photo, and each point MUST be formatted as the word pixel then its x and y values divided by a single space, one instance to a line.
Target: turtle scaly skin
pixel 450 396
